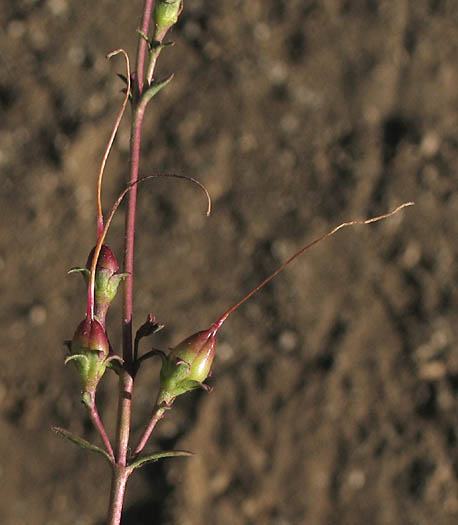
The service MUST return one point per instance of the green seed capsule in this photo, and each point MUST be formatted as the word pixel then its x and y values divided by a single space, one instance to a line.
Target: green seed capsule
pixel 166 15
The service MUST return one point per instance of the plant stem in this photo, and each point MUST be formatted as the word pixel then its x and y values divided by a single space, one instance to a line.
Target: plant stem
pixel 126 383
pixel 118 490
pixel 142 45
pixel 157 415
pixel 126 378
pixel 95 418
pixel 134 162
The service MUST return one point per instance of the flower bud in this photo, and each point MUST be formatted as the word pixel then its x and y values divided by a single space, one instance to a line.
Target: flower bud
pixel 166 15
pixel 187 366
pixel 89 350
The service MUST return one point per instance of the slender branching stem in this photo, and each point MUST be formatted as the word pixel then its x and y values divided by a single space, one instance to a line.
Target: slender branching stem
pixel 130 232
pixel 142 46
pixel 126 381
pixel 97 422
pixel 154 55
pixel 157 415
pixel 121 471
pixel 140 90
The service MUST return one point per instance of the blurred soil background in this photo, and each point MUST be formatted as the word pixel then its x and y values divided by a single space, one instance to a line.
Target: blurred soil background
pixel 335 388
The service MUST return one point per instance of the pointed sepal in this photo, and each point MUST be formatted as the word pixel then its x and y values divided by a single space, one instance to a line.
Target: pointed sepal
pixel 115 363
pixel 83 271
pixel 122 77
pixel 143 35
pixel 149 327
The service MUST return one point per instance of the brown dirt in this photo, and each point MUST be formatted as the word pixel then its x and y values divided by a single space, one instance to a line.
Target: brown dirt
pixel 335 389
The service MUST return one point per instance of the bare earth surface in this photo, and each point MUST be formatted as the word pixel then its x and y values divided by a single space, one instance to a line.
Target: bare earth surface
pixel 335 388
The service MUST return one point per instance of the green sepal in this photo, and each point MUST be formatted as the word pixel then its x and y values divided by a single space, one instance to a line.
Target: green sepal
pixel 91 367
pixel 203 386
pixel 159 455
pixel 76 357
pixel 114 357
pixel 156 47
pixel 153 44
pixel 173 375
pixel 155 88
pixel 115 363
pixel 122 275
pixel 149 327
pixel 189 384
pixel 186 385
pixel 106 288
pixel 81 442
pixel 180 385
pixel 106 285
pixel 84 271
pixel 142 34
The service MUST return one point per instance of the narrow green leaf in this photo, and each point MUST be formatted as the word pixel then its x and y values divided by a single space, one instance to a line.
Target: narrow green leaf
pixel 122 77
pixel 155 88
pixel 159 455
pixel 81 442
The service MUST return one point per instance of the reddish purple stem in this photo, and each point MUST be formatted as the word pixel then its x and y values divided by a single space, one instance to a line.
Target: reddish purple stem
pixel 142 45
pixel 126 384
pixel 118 490
pixel 158 414
pixel 95 418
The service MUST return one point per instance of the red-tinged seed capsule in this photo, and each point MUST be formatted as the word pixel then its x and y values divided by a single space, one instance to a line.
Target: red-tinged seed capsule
pixel 189 363
pixel 187 366
pixel 106 261
pixel 90 350
pixel 198 351
pixel 106 281
pixel 90 335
